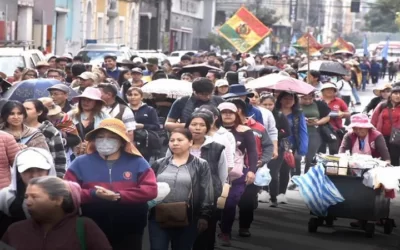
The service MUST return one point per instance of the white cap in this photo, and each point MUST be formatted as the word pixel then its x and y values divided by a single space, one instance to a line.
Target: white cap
pixel 221 82
pixel 328 85
pixel 137 60
pixel 34 158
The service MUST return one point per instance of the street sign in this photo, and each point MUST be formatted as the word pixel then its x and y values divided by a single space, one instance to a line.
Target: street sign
pixel 8 10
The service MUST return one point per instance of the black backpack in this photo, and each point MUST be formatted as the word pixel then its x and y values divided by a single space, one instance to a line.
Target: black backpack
pixel 147 142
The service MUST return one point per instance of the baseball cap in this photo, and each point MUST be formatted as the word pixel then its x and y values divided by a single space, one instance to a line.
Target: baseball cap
pixel 137 60
pixel 43 159
pixel 62 87
pixel 87 75
pixel 227 106
pixel 152 61
pixel 221 82
pixel 137 70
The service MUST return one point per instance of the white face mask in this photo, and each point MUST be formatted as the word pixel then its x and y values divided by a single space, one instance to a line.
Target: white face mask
pixel 107 146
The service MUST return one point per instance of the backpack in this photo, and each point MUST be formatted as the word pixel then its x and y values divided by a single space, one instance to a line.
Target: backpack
pixel 238 164
pixel 147 142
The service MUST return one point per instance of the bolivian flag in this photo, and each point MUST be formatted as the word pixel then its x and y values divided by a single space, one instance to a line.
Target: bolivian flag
pixel 302 44
pixel 341 44
pixel 244 30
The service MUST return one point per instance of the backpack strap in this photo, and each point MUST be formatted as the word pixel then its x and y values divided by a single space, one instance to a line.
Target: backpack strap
pixel 80 230
pixel 121 111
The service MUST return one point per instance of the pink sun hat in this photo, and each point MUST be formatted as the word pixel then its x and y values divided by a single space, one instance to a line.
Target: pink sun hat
pixel 360 121
pixel 91 93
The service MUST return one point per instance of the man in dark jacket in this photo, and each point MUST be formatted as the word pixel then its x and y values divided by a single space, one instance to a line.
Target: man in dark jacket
pixel 182 108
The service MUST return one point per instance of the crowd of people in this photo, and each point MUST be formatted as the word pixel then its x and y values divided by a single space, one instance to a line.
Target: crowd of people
pixel 79 172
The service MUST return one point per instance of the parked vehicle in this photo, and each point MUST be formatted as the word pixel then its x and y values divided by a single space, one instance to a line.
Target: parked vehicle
pixel 13 57
pixel 175 56
pixel 94 53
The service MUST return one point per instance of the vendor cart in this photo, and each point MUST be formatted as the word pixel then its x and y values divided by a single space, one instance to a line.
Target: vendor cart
pixel 361 203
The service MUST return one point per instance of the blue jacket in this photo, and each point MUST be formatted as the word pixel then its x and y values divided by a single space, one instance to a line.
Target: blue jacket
pixel 300 141
pixel 254 113
pixel 375 68
pixel 147 116
pixel 130 176
pixel 113 74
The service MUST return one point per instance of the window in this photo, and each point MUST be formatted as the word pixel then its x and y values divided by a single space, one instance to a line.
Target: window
pixel 9 63
pixel 121 31
pixel 36 58
pixel 100 28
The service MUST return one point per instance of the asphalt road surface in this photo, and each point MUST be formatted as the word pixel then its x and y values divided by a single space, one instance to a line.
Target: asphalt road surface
pixel 286 227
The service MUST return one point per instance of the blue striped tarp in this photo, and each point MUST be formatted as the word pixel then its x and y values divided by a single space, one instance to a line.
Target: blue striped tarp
pixel 317 190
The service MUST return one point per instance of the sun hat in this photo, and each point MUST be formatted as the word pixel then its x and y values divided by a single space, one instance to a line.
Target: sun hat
pixel 378 89
pixel 42 64
pixel 51 106
pixel 221 82
pixel 237 90
pixel 396 87
pixel 42 159
pixel 87 75
pixel 328 85
pixel 227 106
pixel 61 87
pixel 91 93
pixel 152 61
pixel 360 121
pixel 115 126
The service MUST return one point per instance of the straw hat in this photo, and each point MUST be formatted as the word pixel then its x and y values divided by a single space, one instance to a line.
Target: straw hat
pixel 51 106
pixel 377 90
pixel 115 126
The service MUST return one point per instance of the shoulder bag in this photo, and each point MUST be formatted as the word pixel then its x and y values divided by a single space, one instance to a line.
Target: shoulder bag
pixel 394 138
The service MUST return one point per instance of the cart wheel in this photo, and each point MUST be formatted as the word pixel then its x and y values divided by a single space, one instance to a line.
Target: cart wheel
pixel 313 224
pixel 388 226
pixel 369 230
pixel 329 221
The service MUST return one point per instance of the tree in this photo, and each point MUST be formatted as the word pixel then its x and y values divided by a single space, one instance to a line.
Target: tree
pixel 381 16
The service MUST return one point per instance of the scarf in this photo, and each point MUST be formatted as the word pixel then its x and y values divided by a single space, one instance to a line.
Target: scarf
pixel 362 146
pixel 66 125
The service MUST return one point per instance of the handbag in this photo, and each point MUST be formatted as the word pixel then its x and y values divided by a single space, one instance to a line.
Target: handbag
pixel 394 138
pixel 288 156
pixel 173 214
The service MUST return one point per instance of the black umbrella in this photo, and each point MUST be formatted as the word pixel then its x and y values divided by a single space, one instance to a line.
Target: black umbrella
pixel 201 68
pixel 325 68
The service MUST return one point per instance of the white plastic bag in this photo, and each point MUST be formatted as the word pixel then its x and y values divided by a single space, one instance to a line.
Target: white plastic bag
pixel 263 177
pixel 163 190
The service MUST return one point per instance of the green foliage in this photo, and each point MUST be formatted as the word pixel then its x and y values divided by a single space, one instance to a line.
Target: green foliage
pixel 381 16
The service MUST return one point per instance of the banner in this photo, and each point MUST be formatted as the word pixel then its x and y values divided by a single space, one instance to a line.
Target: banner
pixel 243 30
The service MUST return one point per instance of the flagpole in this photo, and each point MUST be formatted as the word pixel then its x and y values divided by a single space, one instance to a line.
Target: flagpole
pixel 308 58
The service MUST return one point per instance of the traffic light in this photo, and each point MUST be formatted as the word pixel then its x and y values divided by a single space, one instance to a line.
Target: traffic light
pixel 355 6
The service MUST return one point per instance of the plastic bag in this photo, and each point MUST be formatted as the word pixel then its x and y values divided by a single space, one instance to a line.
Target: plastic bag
pixel 263 177
pixel 163 190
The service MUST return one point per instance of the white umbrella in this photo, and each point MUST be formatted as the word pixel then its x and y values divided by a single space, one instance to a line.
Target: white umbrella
pixel 171 87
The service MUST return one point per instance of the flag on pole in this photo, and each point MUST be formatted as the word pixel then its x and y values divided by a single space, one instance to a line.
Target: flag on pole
pixel 301 44
pixel 341 44
pixel 385 50
pixel 292 51
pixel 243 30
pixel 365 45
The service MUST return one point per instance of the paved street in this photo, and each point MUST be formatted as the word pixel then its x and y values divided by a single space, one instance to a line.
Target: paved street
pixel 285 227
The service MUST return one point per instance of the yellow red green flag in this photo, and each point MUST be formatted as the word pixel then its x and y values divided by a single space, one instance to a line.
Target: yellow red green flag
pixel 302 44
pixel 341 44
pixel 243 30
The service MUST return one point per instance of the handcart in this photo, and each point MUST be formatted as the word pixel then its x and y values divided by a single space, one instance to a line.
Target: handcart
pixel 361 203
